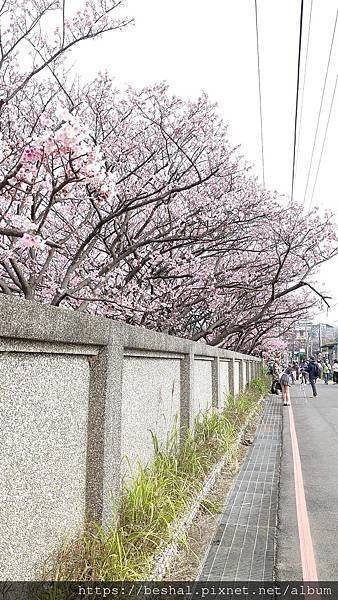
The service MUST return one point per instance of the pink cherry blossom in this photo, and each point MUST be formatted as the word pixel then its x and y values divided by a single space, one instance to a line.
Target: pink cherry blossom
pixel 136 205
pixel 31 241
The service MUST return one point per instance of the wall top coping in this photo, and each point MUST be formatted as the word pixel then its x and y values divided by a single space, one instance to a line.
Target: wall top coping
pixel 26 320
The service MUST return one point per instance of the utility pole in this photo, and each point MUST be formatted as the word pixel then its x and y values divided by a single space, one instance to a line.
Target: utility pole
pixel 320 337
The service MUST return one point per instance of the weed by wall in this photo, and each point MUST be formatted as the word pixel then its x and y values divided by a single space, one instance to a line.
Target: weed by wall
pixel 159 494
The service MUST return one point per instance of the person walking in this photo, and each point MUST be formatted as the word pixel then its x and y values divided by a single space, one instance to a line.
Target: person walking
pixel 275 385
pixel 314 372
pixel 335 370
pixel 320 367
pixel 326 371
pixel 295 370
pixel 303 372
pixel 285 382
pixel 291 372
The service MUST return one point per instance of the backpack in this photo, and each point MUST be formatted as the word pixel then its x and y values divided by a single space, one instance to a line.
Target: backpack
pixel 275 386
pixel 313 370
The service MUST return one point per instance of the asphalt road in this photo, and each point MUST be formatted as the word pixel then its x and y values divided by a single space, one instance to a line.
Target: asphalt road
pixel 316 423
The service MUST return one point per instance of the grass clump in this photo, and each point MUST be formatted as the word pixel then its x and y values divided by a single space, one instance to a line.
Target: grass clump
pixel 159 494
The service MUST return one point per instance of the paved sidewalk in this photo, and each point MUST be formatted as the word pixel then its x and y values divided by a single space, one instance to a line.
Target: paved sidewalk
pixel 244 544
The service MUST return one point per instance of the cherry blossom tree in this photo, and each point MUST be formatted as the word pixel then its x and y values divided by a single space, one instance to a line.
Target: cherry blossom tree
pixel 37 35
pixel 135 205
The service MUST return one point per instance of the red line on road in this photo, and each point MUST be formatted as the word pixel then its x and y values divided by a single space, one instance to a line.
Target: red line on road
pixel 309 567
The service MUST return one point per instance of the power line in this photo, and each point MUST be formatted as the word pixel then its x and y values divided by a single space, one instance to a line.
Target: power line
pixel 259 91
pixel 320 107
pixel 297 95
pixel 304 82
pixel 324 141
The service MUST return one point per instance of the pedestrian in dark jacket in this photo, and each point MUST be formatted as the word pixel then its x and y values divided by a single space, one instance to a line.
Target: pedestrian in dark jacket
pixel 303 372
pixel 313 371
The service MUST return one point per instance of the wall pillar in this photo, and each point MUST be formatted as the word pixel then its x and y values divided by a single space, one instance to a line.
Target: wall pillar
pixel 103 469
pixel 232 376
pixel 216 383
pixel 187 394
pixel 241 378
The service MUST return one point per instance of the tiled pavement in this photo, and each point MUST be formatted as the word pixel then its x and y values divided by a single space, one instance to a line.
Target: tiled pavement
pixel 243 546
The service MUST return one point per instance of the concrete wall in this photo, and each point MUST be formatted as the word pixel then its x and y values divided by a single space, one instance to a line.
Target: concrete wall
pixel 150 403
pixel 202 386
pixel 43 455
pixel 77 395
pixel 224 382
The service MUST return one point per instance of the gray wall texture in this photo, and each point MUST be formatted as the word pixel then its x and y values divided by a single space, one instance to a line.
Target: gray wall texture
pixel 80 398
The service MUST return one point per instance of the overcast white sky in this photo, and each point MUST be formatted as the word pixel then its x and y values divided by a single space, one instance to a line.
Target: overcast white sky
pixel 211 46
